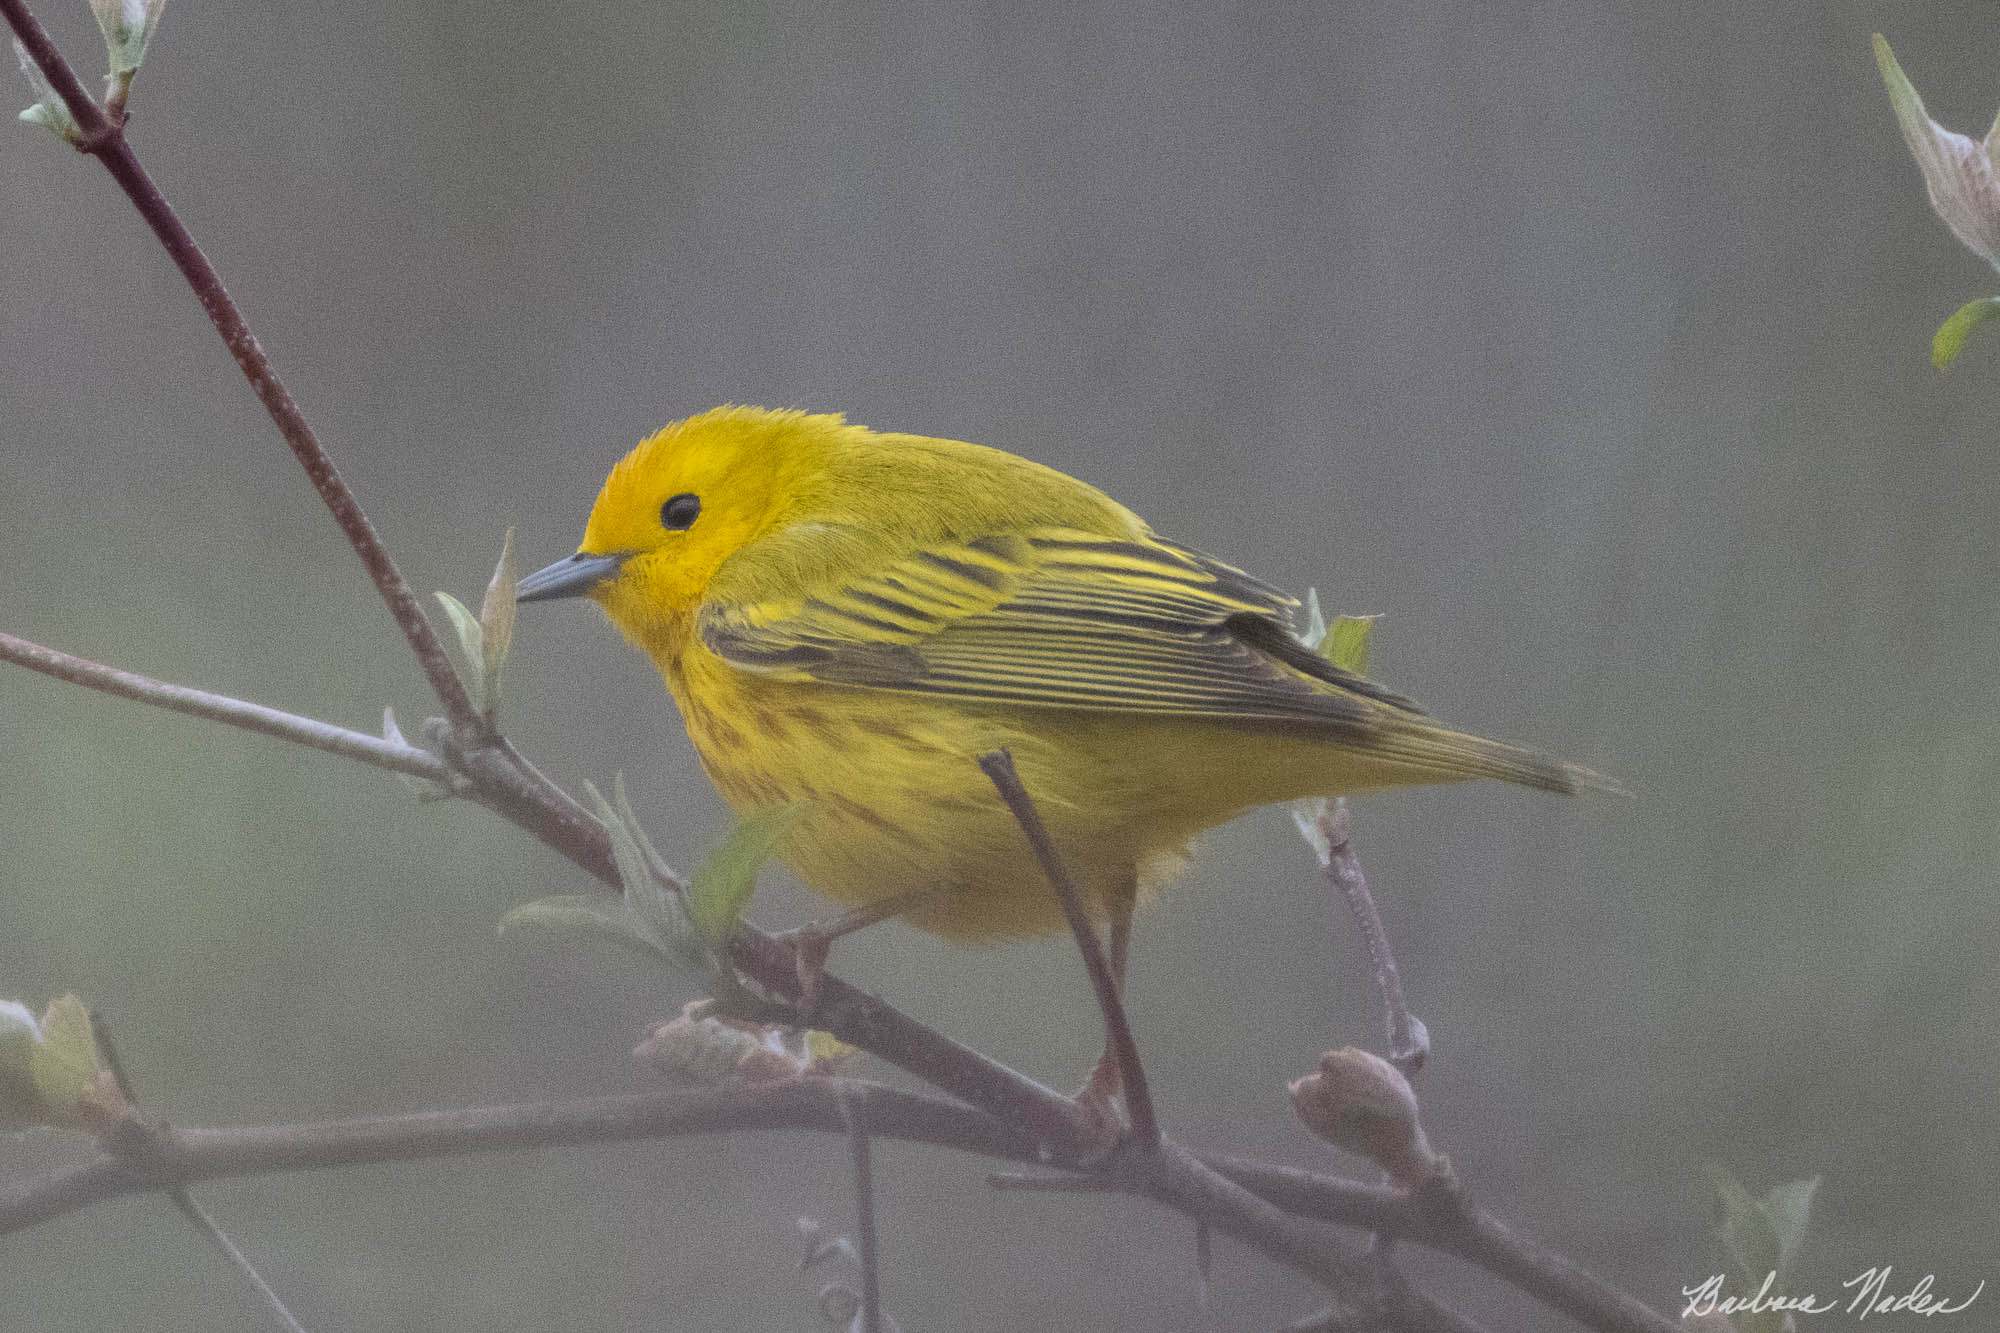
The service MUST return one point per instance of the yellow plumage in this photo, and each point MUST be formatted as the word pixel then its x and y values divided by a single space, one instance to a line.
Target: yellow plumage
pixel 847 619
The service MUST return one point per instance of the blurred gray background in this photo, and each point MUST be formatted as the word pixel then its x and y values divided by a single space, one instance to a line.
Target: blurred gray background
pixel 1586 342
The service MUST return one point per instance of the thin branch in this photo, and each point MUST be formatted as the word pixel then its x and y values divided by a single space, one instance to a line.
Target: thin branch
pixel 999 767
pixel 861 1150
pixel 197 1216
pixel 1177 1178
pixel 219 1238
pixel 194 1155
pixel 1022 1182
pixel 306 731
pixel 104 139
pixel 1450 1222
pixel 1408 1041
pixel 534 804
pixel 878 1027
pixel 190 1156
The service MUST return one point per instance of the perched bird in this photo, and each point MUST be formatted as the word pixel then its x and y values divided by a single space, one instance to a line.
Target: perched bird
pixel 848 619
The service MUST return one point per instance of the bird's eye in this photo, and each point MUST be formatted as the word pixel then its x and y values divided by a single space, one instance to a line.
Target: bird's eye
pixel 679 513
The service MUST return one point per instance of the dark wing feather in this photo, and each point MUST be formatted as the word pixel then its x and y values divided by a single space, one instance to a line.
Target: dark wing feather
pixel 1056 618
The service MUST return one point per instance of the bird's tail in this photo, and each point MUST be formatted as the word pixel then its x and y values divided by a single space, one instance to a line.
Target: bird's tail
pixel 1437 754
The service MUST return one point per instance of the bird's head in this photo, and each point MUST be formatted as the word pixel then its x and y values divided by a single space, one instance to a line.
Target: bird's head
pixel 679 505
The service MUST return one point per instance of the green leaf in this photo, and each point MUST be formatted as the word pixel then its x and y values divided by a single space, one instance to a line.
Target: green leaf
pixel 1346 643
pixel 127 26
pixel 580 914
pixel 65 1063
pixel 471 642
pixel 655 862
pixel 721 886
pixel 49 110
pixel 1789 1207
pixel 496 622
pixel 1760 1237
pixel 1910 113
pixel 651 907
pixel 1743 1228
pixel 1950 338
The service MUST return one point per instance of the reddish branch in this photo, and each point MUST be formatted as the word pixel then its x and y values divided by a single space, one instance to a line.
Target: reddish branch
pixel 103 138
pixel 999 766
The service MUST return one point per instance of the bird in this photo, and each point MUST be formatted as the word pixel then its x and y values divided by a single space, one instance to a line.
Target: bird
pixel 848 619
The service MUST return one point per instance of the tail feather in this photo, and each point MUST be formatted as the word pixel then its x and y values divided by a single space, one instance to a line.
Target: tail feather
pixel 1446 755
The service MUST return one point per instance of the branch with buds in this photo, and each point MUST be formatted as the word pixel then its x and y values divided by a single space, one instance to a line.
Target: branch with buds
pixel 765 1079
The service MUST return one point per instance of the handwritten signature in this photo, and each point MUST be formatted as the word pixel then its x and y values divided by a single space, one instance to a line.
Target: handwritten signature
pixel 1870 1295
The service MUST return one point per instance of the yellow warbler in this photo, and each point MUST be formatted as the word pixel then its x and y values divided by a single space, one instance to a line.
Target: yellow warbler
pixel 848 619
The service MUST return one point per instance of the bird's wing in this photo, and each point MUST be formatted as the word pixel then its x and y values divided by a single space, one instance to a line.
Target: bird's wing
pixel 1054 617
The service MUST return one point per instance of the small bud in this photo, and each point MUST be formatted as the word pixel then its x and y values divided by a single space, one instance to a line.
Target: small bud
pixel 707 1050
pixel 496 624
pixel 127 26
pixel 471 645
pixel 20 1035
pixel 49 1069
pixel 1361 1102
pixel 839 1305
pixel 822 1248
pixel 827 1054
pixel 49 111
pixel 1958 172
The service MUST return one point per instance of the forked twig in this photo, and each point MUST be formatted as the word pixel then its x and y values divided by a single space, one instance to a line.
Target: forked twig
pixel 999 767
pixel 196 1215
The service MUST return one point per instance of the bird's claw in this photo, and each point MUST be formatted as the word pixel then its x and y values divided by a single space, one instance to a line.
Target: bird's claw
pixel 810 948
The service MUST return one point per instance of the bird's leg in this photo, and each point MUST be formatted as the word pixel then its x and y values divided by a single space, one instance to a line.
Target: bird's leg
pixel 811 942
pixel 1104 1083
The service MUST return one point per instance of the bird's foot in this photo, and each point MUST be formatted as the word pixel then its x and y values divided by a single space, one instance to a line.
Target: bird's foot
pixel 810 944
pixel 1102 1100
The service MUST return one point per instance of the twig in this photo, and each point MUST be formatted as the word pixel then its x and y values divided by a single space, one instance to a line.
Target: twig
pixel 196 1215
pixel 1450 1222
pixel 1204 1270
pixel 195 1155
pixel 1408 1040
pixel 219 1238
pixel 864 1020
pixel 103 138
pixel 999 767
pixel 1175 1177
pixel 306 731
pixel 538 807
pixel 190 1156
pixel 1021 1182
pixel 862 1152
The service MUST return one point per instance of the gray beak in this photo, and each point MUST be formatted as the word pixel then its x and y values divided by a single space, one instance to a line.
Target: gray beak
pixel 568 578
